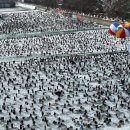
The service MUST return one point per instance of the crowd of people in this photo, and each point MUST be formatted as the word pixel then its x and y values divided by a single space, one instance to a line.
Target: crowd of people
pixel 92 41
pixel 36 21
pixel 63 93
pixel 74 92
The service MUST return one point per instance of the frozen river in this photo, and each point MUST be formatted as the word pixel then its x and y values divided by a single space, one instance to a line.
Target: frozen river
pixel 70 80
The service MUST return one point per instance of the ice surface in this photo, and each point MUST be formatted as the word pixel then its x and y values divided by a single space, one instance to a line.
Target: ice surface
pixel 56 93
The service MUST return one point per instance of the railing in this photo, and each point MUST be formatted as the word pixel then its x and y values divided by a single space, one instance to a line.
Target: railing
pixel 11 35
pixel 28 57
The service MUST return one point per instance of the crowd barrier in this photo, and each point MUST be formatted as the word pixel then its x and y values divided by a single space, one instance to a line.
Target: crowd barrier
pixel 39 56
pixel 4 36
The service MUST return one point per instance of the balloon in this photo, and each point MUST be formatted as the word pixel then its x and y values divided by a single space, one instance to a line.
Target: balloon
pixel 122 32
pixel 113 28
pixel 78 17
pixel 127 25
pixel 120 27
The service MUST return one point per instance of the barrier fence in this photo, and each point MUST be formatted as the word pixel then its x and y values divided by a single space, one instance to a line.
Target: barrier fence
pixel 11 35
pixel 42 56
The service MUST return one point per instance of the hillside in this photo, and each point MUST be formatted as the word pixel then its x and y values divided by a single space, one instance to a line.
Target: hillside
pixel 110 8
pixel 117 8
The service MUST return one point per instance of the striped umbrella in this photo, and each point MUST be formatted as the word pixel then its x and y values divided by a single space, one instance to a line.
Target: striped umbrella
pixel 113 28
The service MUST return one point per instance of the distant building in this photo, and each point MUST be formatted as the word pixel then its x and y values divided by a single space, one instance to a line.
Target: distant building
pixel 7 3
